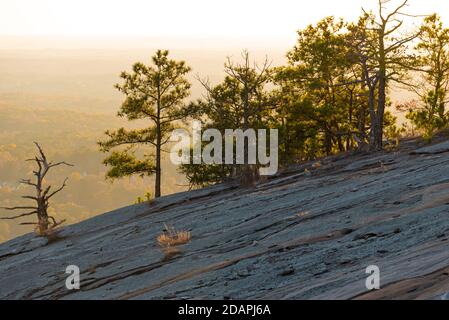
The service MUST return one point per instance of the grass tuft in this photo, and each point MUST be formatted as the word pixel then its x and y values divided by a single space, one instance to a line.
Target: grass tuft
pixel 170 239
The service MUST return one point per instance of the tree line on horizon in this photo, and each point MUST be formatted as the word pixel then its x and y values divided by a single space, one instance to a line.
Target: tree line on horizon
pixel 331 96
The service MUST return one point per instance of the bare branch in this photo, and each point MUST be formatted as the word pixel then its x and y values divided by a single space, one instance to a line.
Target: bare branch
pixel 58 190
pixel 19 216
pixel 414 15
pixel 30 197
pixel 17 208
pixel 59 164
pixel 52 219
pixel 41 152
pixel 28 182
pixel 401 6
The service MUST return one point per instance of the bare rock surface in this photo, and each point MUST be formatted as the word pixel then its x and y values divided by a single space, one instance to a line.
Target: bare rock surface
pixel 297 236
pixel 433 149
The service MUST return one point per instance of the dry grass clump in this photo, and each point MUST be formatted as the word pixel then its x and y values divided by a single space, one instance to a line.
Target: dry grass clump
pixel 180 238
pixel 172 238
pixel 302 214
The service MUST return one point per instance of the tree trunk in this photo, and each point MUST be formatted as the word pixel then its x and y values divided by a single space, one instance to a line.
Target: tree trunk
pixel 157 186
pixel 341 148
pixel 328 142
pixel 42 216
pixel 362 123
pixel 247 178
pixel 378 133
pixel 381 100
pixel 374 126
pixel 351 108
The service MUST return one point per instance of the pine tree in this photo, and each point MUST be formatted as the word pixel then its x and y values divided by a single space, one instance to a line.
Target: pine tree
pixel 156 93
pixel 432 87
pixel 241 101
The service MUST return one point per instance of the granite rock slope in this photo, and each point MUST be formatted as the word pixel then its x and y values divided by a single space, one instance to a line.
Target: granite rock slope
pixel 305 234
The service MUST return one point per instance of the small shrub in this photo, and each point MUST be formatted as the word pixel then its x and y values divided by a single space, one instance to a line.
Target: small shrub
pixel 139 200
pixel 148 198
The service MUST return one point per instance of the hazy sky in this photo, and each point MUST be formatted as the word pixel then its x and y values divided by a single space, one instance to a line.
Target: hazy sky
pixel 258 19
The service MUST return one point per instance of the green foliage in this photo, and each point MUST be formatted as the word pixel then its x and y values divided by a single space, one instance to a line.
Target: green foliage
pixel 160 87
pixel 321 103
pixel 204 175
pixel 156 93
pixel 240 101
pixel 124 164
pixel 391 131
pixel 433 60
pixel 330 97
pixel 148 198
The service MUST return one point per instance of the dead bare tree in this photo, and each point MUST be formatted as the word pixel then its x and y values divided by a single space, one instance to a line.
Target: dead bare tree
pixel 383 57
pixel 45 222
